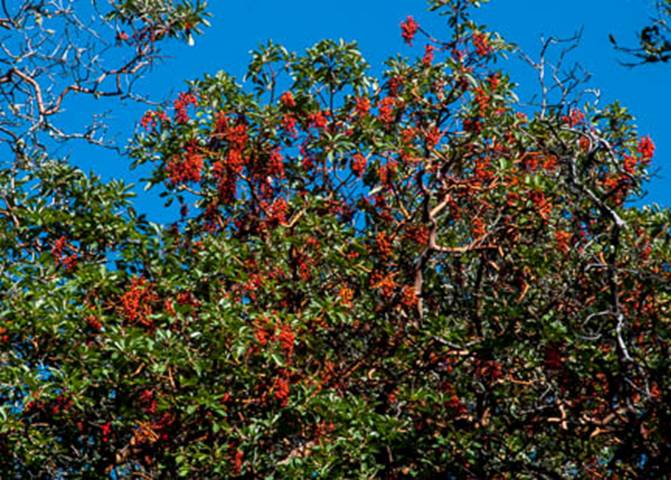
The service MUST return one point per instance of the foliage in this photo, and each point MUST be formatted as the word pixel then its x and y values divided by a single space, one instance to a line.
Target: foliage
pixel 403 277
pixel 654 40
pixel 57 53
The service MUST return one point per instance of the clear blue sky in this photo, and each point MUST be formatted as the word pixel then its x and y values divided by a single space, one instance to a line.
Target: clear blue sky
pixel 240 25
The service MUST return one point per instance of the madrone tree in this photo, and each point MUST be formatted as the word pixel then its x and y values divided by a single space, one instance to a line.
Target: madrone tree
pixel 410 276
pixel 57 54
pixel 654 40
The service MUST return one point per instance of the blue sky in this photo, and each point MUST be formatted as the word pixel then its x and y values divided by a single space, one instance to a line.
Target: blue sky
pixel 240 25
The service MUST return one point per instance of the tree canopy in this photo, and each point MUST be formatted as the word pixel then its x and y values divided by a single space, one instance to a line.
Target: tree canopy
pixel 411 276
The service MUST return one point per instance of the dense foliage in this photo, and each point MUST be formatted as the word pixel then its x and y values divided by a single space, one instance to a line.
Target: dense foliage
pixel 403 277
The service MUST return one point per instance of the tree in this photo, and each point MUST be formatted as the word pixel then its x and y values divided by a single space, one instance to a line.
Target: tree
pixel 404 277
pixel 654 40
pixel 54 51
